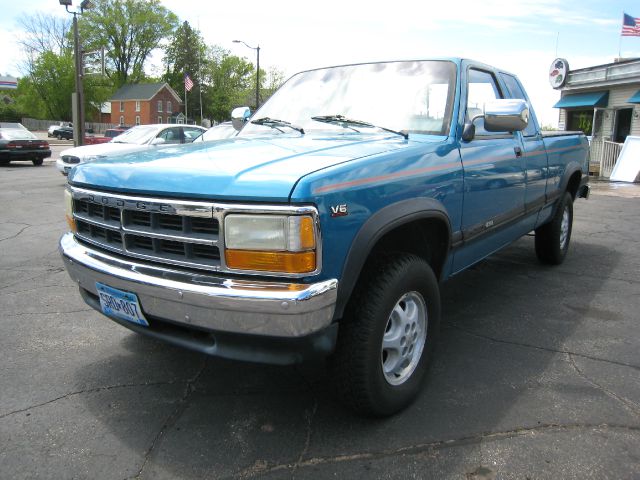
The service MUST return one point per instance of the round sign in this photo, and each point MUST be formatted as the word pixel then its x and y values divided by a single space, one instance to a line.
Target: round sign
pixel 558 72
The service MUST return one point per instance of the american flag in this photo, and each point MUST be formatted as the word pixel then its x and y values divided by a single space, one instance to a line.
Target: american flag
pixel 630 26
pixel 188 83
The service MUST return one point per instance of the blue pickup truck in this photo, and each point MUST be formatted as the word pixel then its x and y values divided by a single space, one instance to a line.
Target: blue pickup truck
pixel 327 224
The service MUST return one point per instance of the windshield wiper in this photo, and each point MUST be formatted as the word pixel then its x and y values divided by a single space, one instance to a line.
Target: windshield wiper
pixel 350 123
pixel 275 123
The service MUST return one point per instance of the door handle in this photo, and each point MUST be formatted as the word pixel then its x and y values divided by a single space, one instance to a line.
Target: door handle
pixel 518 151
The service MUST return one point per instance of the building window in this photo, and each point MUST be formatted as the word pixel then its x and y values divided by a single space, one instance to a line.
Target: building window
pixel 160 119
pixel 169 107
pixel 121 119
pixel 122 106
pixel 580 120
pixel 137 105
pixel 160 106
pixel 137 119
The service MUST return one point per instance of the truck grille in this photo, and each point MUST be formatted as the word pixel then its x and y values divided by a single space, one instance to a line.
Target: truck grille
pixel 181 234
pixel 165 231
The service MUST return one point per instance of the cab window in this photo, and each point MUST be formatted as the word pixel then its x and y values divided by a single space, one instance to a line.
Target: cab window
pixel 481 88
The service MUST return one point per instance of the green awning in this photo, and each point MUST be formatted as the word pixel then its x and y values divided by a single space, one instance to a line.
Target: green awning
pixel 588 99
pixel 635 98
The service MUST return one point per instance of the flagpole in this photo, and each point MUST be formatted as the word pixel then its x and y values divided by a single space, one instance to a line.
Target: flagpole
pixel 186 115
pixel 200 77
pixel 620 40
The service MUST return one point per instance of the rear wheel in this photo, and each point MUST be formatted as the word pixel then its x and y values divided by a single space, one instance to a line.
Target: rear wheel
pixel 552 239
pixel 387 336
pixel 37 161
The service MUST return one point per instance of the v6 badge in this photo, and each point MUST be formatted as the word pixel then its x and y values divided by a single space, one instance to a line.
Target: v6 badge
pixel 339 210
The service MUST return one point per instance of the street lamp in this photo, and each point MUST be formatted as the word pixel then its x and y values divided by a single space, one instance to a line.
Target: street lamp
pixel 257 49
pixel 78 124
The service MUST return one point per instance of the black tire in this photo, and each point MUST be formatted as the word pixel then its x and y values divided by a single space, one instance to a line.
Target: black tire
pixel 37 161
pixel 553 238
pixel 357 365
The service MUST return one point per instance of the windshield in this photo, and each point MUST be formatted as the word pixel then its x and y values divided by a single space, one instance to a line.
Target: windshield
pixel 139 135
pixel 414 96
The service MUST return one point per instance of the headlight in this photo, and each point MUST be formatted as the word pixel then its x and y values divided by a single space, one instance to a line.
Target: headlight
pixel 272 243
pixel 68 208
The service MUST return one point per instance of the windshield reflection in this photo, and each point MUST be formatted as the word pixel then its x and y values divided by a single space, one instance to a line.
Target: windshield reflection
pixel 413 96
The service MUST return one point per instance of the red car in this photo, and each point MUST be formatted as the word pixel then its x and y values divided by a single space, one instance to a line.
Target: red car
pixel 109 135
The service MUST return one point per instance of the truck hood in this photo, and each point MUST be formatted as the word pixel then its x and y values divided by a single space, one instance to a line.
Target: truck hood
pixel 242 168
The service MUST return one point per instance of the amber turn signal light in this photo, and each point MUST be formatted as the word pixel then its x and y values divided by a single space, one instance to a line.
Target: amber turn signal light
pixel 285 262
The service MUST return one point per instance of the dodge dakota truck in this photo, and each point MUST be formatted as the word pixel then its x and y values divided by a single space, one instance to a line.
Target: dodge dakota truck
pixel 326 226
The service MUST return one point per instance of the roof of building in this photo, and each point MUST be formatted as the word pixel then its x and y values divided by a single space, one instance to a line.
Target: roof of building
pixel 142 91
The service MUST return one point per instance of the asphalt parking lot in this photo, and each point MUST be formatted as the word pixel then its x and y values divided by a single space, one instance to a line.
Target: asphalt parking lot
pixel 537 373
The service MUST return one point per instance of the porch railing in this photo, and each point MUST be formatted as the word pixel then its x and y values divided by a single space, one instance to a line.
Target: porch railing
pixel 610 153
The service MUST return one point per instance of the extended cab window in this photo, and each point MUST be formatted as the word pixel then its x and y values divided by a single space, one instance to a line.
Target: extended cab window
pixel 481 88
pixel 516 91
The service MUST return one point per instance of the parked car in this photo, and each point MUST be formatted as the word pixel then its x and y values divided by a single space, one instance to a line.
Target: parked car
pixel 135 139
pixel 63 133
pixel 53 128
pixel 21 144
pixel 218 132
pixel 327 226
pixel 109 135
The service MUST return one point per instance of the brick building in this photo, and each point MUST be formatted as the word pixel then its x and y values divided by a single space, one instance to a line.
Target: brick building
pixel 144 104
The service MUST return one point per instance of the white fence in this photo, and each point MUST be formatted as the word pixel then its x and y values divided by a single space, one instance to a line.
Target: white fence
pixel 604 154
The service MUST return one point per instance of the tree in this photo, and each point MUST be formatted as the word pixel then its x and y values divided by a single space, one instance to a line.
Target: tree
pixel 228 80
pixel 45 33
pixel 128 30
pixel 48 87
pixel 185 53
pixel 270 82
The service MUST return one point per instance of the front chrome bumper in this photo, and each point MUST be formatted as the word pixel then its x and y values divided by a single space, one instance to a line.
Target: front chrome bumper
pixel 204 301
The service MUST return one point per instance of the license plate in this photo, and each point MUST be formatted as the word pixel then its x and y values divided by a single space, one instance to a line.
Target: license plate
pixel 119 304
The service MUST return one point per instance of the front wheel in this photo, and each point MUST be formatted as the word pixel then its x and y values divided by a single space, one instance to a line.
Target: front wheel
pixel 387 336
pixel 552 239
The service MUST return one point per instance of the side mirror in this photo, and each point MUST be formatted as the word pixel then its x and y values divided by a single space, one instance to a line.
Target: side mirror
pixel 157 141
pixel 240 116
pixel 506 115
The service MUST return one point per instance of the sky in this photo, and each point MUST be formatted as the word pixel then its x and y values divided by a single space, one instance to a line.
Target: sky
pixel 520 36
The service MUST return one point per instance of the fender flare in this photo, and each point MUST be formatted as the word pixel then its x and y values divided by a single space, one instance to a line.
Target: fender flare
pixel 376 226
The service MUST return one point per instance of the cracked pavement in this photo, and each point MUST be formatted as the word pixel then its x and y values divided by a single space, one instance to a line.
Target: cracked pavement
pixel 536 375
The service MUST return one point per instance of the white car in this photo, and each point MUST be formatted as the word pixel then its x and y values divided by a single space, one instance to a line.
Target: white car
pixel 138 138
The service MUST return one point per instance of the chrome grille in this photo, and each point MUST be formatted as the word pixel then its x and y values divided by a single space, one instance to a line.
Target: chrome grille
pixel 168 231
pixel 166 237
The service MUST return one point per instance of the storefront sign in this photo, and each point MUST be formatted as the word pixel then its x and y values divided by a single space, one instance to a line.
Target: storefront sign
pixel 558 72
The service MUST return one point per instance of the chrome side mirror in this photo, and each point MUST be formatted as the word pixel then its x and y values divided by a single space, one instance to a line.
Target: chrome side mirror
pixel 240 116
pixel 506 115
